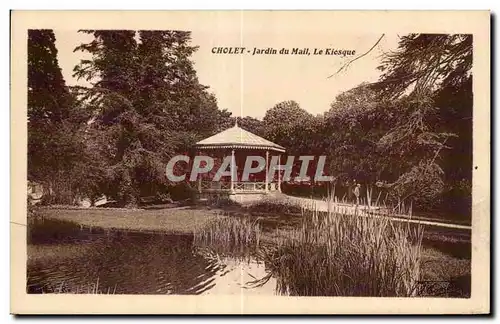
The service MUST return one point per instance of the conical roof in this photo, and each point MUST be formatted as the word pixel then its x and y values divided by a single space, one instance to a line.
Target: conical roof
pixel 237 137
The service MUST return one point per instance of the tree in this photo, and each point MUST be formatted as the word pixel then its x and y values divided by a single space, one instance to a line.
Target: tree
pixel 300 132
pixel 282 120
pixel 148 105
pixel 353 125
pixel 427 73
pixel 54 120
pixel 252 125
pixel 48 96
pixel 425 63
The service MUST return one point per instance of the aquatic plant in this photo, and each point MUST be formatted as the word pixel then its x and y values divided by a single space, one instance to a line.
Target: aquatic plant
pixel 336 253
pixel 231 232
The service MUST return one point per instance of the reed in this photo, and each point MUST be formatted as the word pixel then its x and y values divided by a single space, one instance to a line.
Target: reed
pixel 336 253
pixel 230 232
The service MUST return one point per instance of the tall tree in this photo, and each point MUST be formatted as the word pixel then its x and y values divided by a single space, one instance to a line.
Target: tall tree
pixel 54 119
pixel 282 121
pixel 122 122
pixel 429 72
pixel 252 125
pixel 48 96
pixel 353 125
pixel 148 104
pixel 425 63
pixel 297 130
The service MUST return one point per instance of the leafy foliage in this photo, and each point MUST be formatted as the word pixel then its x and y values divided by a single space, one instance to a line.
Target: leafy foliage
pixel 431 74
pixel 252 125
pixel 54 121
pixel 409 133
pixel 147 104
pixel 426 63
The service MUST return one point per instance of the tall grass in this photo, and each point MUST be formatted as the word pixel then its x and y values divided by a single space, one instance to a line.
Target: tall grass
pixel 230 232
pixel 339 254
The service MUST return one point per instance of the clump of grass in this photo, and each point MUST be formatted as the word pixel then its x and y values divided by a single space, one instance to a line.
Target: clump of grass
pixel 339 254
pixel 230 232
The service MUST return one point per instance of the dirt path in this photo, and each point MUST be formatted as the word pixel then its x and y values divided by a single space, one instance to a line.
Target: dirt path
pixel 324 206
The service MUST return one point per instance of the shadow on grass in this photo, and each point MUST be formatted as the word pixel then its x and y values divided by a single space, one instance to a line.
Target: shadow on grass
pixel 43 230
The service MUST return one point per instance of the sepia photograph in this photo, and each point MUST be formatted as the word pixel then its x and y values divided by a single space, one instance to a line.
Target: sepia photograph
pixel 227 158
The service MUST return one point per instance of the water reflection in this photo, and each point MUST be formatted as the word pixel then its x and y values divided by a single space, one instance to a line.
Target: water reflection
pixel 123 263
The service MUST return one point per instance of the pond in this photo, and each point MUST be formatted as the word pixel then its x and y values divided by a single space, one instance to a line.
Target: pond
pixel 135 263
pixel 64 258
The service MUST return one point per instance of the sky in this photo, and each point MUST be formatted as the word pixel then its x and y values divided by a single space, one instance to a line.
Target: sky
pixel 249 85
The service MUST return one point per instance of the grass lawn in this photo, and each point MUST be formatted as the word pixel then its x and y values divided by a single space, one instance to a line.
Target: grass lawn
pixel 174 220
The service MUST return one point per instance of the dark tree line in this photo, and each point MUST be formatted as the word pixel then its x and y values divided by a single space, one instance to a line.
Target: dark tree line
pixel 409 134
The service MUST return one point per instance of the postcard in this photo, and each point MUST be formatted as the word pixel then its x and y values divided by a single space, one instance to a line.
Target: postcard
pixel 250 162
